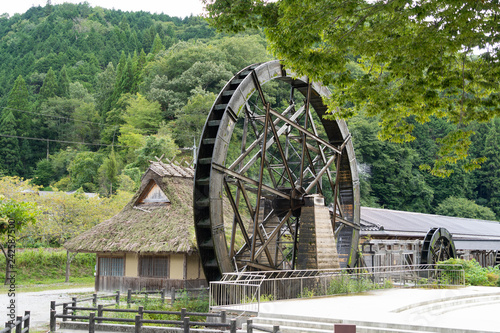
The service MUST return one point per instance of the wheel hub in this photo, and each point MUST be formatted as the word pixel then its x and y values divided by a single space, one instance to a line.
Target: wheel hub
pixel 281 205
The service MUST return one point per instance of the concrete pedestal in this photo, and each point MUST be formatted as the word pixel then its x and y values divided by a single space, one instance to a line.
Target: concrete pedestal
pixel 317 247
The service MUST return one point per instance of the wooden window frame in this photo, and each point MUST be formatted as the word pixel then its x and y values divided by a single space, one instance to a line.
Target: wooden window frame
pixel 151 184
pixel 100 263
pixel 154 272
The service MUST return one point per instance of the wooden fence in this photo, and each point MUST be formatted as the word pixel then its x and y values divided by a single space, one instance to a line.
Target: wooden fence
pixel 138 321
pixel 21 325
pixel 96 316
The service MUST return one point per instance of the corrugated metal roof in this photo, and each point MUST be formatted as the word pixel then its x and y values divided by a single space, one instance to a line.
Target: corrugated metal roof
pixel 487 245
pixel 392 222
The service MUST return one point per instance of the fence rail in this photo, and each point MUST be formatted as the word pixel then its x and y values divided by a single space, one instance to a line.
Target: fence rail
pixel 117 296
pixel 68 312
pixel 20 325
pixel 251 326
pixel 245 291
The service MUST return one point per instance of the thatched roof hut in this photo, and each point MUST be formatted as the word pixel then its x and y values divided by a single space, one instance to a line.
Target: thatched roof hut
pixel 157 225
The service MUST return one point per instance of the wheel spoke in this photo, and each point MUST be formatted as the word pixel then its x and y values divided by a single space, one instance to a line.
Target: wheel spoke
pixel 256 143
pixel 259 185
pixel 238 218
pixel 282 153
pixel 249 180
pixel 305 131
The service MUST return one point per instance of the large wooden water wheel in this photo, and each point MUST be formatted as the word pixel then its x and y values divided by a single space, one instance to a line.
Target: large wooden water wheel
pixel 276 185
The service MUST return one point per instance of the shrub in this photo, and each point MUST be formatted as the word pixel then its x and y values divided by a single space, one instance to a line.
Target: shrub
pixel 475 275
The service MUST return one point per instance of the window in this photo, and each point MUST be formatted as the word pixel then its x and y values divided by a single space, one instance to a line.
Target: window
pixel 111 266
pixel 154 266
pixel 152 194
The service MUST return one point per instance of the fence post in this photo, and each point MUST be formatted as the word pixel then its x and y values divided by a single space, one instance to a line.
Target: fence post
pixel 162 296
pixel 27 321
pixel 94 300
pixel 65 310
pixel 73 304
pixel 186 324
pixel 276 328
pixel 53 319
pixel 117 297
pixel 183 313
pixel 19 327
pixel 92 322
pixel 99 313
pixel 138 323
pixel 249 326
pixel 232 327
pixel 223 316
pixel 52 305
pixel 129 296
pixel 140 311
pixel 172 295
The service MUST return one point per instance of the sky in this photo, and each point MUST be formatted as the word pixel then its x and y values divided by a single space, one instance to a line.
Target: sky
pixel 179 8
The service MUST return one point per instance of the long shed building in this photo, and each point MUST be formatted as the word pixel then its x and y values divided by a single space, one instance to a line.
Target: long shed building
pixel 392 237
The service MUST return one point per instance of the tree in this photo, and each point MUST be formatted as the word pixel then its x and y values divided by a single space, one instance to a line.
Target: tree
pixel 207 75
pixel 141 116
pixel 154 145
pixel 418 59
pixel 67 215
pixel 17 212
pixel 83 171
pixel 104 89
pixel 63 85
pixel 191 118
pixel 462 207
pixel 157 45
pixel 389 172
pixel 18 102
pixel 489 174
pixel 49 88
pixel 108 173
pixel 14 215
pixel 9 145
pixel 44 173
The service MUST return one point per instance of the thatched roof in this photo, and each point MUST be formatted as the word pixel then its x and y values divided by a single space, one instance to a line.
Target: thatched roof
pixel 148 227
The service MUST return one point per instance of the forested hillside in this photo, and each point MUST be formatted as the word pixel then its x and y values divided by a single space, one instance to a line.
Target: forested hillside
pixel 88 96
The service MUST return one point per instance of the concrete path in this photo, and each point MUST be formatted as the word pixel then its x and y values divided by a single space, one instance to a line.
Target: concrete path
pixel 38 303
pixel 468 308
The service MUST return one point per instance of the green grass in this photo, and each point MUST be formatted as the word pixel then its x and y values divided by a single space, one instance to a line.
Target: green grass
pixel 44 269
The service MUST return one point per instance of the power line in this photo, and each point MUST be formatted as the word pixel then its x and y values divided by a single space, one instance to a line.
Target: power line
pixel 58 117
pixel 62 141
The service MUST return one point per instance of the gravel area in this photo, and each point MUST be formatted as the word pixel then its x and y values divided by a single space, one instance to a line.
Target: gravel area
pixel 38 303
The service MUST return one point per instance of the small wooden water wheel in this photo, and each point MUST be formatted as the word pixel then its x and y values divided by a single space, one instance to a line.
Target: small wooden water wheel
pixel 438 246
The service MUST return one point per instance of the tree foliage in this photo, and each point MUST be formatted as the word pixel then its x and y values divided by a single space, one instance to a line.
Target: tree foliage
pixel 15 215
pixel 103 92
pixel 417 59
pixel 461 207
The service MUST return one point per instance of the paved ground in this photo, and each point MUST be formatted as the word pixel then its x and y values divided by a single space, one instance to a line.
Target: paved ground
pixel 473 308
pixel 38 303
pixel 466 308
